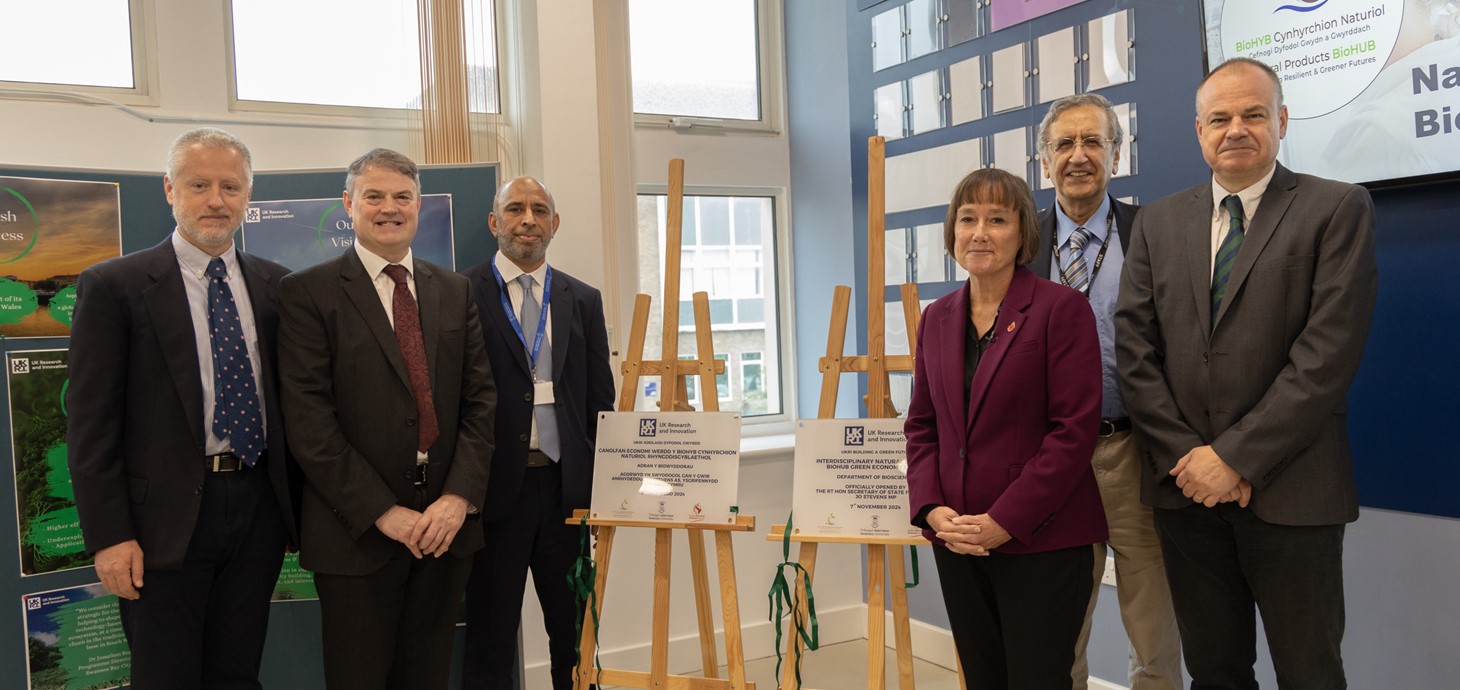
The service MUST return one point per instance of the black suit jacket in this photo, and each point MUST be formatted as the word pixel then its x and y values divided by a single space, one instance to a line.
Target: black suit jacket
pixel 353 415
pixel 1125 217
pixel 135 400
pixel 582 386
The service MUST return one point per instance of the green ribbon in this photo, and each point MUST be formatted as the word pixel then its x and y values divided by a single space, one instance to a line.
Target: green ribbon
pixel 912 552
pixel 580 580
pixel 781 596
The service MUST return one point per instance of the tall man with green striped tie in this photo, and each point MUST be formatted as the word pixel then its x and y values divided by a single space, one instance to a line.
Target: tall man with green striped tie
pixel 1243 312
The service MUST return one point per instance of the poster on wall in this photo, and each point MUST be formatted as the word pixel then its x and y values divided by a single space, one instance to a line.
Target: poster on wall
pixel 1370 86
pixel 295 583
pixel 300 233
pixel 50 531
pixel 850 479
pixel 667 466
pixel 50 231
pixel 74 640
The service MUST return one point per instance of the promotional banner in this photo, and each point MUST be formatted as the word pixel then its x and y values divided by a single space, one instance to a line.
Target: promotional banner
pixel 50 531
pixel 851 478
pixel 295 583
pixel 303 232
pixel 667 466
pixel 74 640
pixel 1370 85
pixel 50 231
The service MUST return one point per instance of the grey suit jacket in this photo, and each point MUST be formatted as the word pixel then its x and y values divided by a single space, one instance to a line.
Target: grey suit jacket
pixel 352 414
pixel 1265 387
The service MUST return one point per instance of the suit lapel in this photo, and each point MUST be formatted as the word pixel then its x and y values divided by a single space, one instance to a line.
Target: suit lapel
pixel 428 301
pixel 561 308
pixel 1006 332
pixel 501 325
pixel 1270 211
pixel 952 329
pixel 1125 217
pixel 361 292
pixel 1047 223
pixel 1199 253
pixel 167 307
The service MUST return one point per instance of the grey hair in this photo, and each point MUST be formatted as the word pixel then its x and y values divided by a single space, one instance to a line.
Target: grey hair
pixel 1116 132
pixel 207 137
pixel 384 159
pixel 1277 82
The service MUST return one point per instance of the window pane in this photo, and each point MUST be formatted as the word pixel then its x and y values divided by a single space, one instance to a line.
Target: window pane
pixel 741 280
pixel 699 59
pixel 280 54
pixel 81 42
pixel 714 220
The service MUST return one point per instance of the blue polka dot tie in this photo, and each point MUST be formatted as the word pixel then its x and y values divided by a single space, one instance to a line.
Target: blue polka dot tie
pixel 235 398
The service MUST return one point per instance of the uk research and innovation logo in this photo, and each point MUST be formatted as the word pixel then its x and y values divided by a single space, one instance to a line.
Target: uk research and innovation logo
pixel 32 603
pixel 20 365
pixel 648 428
pixel 855 436
pixel 251 215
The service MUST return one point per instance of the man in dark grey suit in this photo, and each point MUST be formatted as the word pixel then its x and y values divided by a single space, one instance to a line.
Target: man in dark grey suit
pixel 1089 231
pixel 1243 312
pixel 187 508
pixel 389 394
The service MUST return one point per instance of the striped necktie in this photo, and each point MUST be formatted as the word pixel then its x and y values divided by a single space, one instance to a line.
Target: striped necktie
pixel 1072 263
pixel 1227 252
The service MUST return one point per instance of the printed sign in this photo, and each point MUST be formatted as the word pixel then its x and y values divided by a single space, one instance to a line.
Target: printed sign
pixel 74 640
pixel 667 466
pixel 851 478
pixel 50 231
pixel 50 530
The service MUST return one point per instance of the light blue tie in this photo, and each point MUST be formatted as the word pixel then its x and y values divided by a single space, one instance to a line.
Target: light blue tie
pixel 1072 265
pixel 545 416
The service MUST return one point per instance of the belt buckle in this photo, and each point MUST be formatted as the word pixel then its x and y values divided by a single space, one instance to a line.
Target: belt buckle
pixel 421 474
pixel 221 463
pixel 1107 428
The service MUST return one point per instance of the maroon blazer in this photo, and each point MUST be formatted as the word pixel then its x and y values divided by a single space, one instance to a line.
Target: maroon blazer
pixel 1019 448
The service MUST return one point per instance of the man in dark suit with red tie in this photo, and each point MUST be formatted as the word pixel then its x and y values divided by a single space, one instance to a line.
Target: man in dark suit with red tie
pixel 549 350
pixel 176 440
pixel 390 396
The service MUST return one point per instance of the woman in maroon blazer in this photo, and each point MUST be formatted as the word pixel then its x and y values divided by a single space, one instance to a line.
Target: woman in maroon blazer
pixel 1002 424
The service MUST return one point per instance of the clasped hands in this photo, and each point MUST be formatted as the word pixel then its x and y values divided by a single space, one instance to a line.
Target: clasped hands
pixel 1206 479
pixel 429 532
pixel 975 535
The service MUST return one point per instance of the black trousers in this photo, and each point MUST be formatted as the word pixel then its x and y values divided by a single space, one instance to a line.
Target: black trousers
pixel 532 536
pixel 393 628
pixel 1016 617
pixel 203 625
pixel 1222 563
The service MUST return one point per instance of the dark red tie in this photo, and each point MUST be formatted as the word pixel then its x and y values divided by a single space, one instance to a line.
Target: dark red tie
pixel 413 349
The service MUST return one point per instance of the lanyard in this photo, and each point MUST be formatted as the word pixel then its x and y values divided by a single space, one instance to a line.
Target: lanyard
pixel 547 286
pixel 1054 242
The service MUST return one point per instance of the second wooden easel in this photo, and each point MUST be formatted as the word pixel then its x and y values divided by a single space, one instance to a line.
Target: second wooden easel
pixel 877 364
pixel 673 373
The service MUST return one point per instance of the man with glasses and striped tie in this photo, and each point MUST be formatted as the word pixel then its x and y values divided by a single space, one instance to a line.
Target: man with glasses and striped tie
pixel 1079 145
pixel 1243 312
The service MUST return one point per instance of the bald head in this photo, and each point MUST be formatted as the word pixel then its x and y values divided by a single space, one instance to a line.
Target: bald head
pixel 524 220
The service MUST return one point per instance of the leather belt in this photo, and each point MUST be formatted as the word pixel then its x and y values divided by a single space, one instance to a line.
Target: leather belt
pixel 536 458
pixel 420 474
pixel 1111 427
pixel 223 462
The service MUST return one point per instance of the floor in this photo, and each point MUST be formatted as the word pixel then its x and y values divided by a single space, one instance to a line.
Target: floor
pixel 844 667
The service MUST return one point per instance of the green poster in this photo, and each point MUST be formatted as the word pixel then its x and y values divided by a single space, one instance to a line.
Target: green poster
pixel 295 583
pixel 74 640
pixel 50 532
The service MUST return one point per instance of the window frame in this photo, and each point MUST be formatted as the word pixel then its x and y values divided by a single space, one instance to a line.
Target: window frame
pixel 144 67
pixel 770 73
pixel 785 350
pixel 394 115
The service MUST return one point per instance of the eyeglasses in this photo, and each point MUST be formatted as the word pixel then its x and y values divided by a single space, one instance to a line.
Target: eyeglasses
pixel 1067 145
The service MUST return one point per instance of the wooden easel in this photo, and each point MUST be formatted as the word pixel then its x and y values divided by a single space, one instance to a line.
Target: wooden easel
pixel 673 393
pixel 877 364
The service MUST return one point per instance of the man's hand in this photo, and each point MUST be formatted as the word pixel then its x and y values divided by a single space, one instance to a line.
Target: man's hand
pixel 397 523
pixel 438 525
pixel 1242 494
pixel 1206 479
pixel 120 568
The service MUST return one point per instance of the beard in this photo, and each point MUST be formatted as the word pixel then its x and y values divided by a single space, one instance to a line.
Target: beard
pixel 203 237
pixel 521 254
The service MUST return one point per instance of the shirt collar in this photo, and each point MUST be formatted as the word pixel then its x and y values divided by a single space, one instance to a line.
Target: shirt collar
pixel 195 261
pixel 1096 226
pixel 510 271
pixel 1249 196
pixel 374 265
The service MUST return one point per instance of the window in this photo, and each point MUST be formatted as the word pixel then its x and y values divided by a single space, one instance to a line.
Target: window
pixel 280 55
pixel 704 63
pixel 729 251
pixel 97 45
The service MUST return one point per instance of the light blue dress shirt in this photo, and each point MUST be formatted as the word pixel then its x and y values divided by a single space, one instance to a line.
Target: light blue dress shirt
pixel 1103 291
